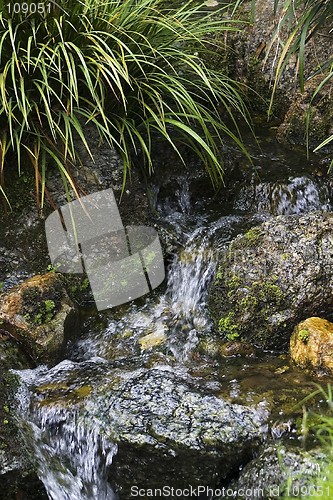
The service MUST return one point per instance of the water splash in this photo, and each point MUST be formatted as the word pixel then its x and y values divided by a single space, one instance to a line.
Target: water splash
pixel 72 455
pixel 190 274
pixel 73 458
pixel 298 195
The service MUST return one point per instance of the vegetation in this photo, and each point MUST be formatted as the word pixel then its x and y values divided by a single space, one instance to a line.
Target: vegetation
pixel 303 19
pixel 303 335
pixel 133 70
pixel 320 426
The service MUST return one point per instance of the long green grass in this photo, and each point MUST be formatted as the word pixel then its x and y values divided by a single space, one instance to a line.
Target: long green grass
pixel 319 426
pixel 126 67
pixel 302 20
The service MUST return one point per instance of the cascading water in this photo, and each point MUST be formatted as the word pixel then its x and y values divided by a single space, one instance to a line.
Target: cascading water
pixel 298 195
pixel 72 456
pixel 179 314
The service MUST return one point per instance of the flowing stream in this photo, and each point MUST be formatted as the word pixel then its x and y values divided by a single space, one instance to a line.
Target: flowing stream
pixel 70 447
pixel 72 456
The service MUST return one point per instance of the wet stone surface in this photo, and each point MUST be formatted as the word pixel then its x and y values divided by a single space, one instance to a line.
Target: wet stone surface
pixel 157 414
pixel 272 277
pixel 281 470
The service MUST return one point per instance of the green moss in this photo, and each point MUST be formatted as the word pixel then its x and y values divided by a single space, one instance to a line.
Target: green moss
pixel 228 326
pixel 234 282
pixel 85 284
pixel 218 275
pixel 52 269
pixel 38 319
pixel 9 383
pixel 44 314
pixel 249 302
pixel 76 286
pixel 233 336
pixel 303 336
pixel 49 310
pixel 253 234
pixel 268 291
pixel 285 256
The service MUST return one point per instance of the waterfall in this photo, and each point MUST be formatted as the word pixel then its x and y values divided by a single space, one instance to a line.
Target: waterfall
pixel 72 455
pixel 297 195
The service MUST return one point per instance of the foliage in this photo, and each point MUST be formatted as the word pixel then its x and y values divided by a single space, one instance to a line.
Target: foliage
pixel 126 67
pixel 321 426
pixel 303 335
pixel 303 19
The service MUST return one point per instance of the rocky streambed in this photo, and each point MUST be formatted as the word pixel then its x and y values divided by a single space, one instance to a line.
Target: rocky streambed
pixel 168 391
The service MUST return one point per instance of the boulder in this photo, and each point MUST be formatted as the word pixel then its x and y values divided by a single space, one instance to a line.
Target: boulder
pixel 311 345
pixel 155 416
pixel 293 129
pixel 272 277
pixel 281 471
pixel 37 314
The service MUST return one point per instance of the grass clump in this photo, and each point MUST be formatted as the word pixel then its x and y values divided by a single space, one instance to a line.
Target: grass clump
pixel 319 427
pixel 303 20
pixel 127 68
pixel 303 336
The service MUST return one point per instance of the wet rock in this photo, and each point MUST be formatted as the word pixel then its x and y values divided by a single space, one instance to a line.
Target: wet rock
pixel 293 128
pixel 156 417
pixel 243 349
pixel 153 339
pixel 217 347
pixel 17 478
pixel 11 456
pixel 281 471
pixel 11 355
pixel 272 277
pixel 26 487
pixel 253 62
pixel 37 314
pixel 311 345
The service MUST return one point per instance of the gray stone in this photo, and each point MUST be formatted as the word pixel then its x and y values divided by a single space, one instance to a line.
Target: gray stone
pixel 280 470
pixel 158 418
pixel 272 277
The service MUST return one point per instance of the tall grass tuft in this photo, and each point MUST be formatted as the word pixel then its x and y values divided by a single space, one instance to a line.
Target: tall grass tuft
pixel 320 426
pixel 304 19
pixel 127 67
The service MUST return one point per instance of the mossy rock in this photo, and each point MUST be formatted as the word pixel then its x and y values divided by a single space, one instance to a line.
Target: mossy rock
pixel 293 128
pixel 271 277
pixel 311 345
pixel 37 314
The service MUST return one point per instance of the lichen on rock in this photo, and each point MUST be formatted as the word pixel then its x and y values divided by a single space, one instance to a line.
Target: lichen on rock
pixel 37 314
pixel 311 345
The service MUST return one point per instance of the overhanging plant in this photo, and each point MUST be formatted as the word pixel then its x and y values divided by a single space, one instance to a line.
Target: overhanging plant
pixel 126 67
